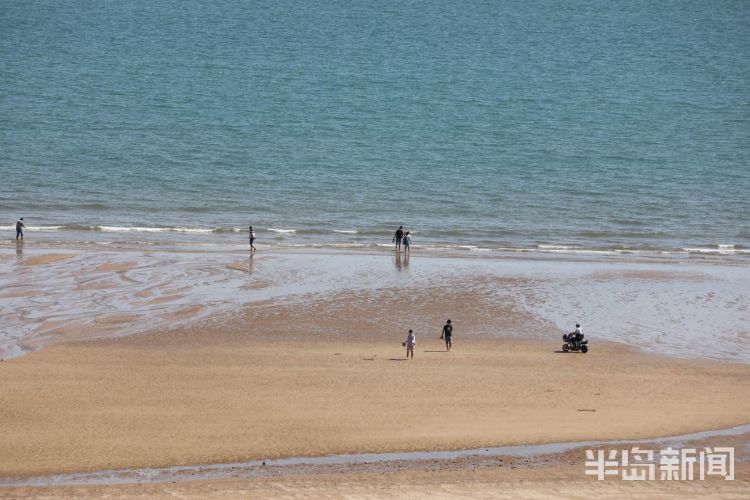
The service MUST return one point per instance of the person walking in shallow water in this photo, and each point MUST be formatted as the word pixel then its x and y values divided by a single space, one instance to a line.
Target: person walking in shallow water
pixel 407 243
pixel 398 237
pixel 447 335
pixel 252 239
pixel 20 226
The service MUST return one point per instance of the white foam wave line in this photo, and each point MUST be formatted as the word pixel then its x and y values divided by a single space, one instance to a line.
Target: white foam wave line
pixel 345 231
pixel 325 245
pixel 34 228
pixel 722 250
pixel 282 231
pixel 567 250
pixel 137 229
pixel 554 247
pixel 572 250
pixel 589 252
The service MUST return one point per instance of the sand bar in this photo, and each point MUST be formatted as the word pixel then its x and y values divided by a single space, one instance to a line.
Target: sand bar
pixel 199 397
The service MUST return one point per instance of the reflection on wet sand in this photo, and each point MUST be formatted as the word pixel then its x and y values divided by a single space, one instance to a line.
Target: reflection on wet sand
pixel 656 307
pixel 401 261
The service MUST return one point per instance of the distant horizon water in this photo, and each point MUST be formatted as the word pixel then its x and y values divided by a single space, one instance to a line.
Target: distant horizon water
pixel 581 127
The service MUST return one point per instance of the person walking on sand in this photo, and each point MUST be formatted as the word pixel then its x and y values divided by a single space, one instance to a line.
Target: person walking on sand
pixel 411 341
pixel 397 237
pixel 20 226
pixel 407 243
pixel 252 239
pixel 447 335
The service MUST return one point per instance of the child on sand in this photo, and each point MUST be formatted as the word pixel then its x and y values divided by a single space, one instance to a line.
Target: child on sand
pixel 411 341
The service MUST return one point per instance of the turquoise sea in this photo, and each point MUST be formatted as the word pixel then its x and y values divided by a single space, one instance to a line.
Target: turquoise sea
pixel 577 125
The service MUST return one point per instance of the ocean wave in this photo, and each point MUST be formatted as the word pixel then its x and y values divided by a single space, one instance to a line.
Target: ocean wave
pixel 586 251
pixel 564 249
pixel 130 229
pixel 716 251
pixel 34 228
pixel 719 249
pixel 554 247
pixel 141 229
pixel 327 245
pixel 328 237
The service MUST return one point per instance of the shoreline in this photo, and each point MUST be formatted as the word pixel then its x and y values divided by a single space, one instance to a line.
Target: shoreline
pixel 720 253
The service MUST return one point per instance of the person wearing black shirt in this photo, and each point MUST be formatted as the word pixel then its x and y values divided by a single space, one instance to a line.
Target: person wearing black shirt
pixel 19 228
pixel 447 335
pixel 398 237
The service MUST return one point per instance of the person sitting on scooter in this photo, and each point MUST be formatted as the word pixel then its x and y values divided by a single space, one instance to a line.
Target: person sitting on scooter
pixel 578 334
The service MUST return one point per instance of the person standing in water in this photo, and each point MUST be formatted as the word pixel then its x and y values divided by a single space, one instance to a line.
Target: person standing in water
pixel 398 237
pixel 407 243
pixel 20 226
pixel 447 335
pixel 252 239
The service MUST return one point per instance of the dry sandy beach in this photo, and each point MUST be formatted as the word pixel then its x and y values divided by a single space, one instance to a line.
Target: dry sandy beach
pixel 326 375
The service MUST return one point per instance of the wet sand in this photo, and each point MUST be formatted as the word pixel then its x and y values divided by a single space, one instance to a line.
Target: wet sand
pixel 40 260
pixel 660 306
pixel 466 479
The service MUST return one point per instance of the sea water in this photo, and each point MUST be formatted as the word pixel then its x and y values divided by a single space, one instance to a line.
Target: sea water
pixel 553 126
